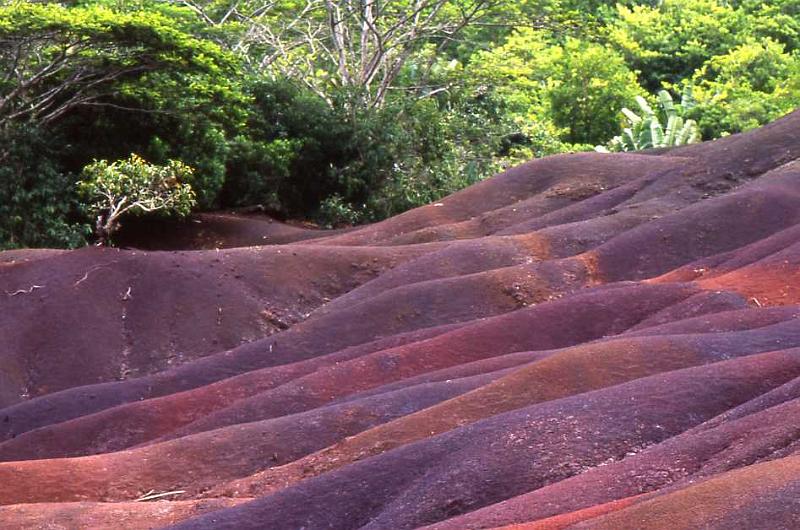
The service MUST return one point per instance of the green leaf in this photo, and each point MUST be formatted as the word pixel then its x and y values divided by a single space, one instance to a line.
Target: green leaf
pixel 656 133
pixel 674 124
pixel 631 116
pixel 687 98
pixel 666 104
pixel 645 106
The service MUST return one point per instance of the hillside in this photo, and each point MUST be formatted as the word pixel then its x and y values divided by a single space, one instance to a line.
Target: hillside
pixel 583 341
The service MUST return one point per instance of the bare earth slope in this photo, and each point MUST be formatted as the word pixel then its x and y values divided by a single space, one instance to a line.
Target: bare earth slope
pixel 583 341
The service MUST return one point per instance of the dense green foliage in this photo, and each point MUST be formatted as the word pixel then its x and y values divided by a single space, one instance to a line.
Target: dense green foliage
pixel 37 201
pixel 134 187
pixel 352 111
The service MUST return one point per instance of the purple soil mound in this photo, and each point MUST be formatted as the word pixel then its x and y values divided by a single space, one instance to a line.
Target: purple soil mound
pixel 212 231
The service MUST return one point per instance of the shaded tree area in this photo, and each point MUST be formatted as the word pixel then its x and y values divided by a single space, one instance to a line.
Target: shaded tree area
pixel 351 111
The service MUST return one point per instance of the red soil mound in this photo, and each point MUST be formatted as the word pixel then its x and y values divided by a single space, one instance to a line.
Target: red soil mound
pixel 760 495
pixel 585 341
pixel 106 516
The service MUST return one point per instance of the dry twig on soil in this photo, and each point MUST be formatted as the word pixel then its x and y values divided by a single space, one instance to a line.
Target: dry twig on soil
pixel 152 495
pixel 25 291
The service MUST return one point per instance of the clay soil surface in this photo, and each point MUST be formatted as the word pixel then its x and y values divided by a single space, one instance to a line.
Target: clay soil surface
pixel 583 341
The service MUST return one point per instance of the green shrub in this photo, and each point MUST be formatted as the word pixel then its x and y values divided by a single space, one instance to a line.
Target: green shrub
pixel 590 87
pixel 348 163
pixel 565 92
pixel 286 157
pixel 134 187
pixel 334 212
pixel 749 86
pixel 670 40
pixel 38 203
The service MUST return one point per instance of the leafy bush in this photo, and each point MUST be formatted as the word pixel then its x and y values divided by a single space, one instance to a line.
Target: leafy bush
pixel 303 157
pixel 571 90
pixel 751 85
pixel 38 204
pixel 587 90
pixel 134 187
pixel 413 151
pixel 334 212
pixel 672 39
pixel 257 170
pixel 778 20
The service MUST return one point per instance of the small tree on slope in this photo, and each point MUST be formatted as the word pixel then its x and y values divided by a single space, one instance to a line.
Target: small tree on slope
pixel 134 187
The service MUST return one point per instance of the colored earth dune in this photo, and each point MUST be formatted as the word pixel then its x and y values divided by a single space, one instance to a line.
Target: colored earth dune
pixel 583 341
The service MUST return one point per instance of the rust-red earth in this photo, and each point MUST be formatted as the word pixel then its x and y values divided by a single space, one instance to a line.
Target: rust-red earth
pixel 583 341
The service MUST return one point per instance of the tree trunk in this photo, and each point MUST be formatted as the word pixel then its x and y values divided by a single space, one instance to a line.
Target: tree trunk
pixel 104 227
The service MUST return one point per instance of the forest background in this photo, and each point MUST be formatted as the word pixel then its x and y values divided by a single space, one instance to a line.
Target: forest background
pixel 350 111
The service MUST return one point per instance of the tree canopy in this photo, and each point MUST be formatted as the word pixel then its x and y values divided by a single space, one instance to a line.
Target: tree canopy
pixel 58 58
